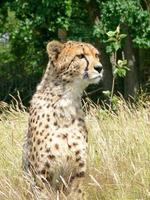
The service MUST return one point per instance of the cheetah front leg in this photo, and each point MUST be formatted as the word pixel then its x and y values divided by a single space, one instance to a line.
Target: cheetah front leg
pixel 29 177
pixel 77 179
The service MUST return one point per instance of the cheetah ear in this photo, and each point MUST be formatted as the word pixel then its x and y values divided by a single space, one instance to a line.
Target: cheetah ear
pixel 53 49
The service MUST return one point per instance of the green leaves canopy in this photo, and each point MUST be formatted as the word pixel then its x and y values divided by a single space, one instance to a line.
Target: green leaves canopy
pixel 129 15
pixel 31 24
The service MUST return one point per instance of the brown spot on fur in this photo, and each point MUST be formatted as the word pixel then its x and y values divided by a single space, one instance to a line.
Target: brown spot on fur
pixel 66 125
pixel 47 164
pixel 48 150
pixel 77 152
pixel 78 159
pixel 48 106
pixel 36 154
pixel 56 84
pixel 75 144
pixel 46 126
pixel 51 157
pixel 43 171
pixel 57 146
pixel 81 164
pixel 79 191
pixel 80 174
pixel 51 94
pixel 38 141
pixel 41 133
pixel 49 178
pixel 64 136
pixel 72 178
pixel 41 148
pixel 48 119
pixel 68 157
pixel 33 158
pixel 80 119
pixel 37 133
pixel 55 124
pixel 61 115
pixel 36 165
pixel 45 137
pixel 73 120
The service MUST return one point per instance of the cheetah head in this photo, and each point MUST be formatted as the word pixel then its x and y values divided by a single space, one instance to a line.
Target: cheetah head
pixel 75 62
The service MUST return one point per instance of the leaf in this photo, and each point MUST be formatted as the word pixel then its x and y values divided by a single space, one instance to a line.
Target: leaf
pixel 122 36
pixel 122 63
pixel 111 33
pixel 127 68
pixel 109 49
pixel 121 72
pixel 115 71
pixel 112 39
pixel 118 29
pixel 114 100
pixel 107 93
pixel 117 46
pixel 119 62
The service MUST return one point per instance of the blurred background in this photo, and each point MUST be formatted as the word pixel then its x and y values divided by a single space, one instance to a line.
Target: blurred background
pixel 27 25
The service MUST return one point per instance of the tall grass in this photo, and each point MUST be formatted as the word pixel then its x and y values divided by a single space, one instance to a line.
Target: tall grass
pixel 119 154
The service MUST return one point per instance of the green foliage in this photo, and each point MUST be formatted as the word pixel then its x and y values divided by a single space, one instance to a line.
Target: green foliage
pixel 37 23
pixel 31 24
pixel 113 45
pixel 114 40
pixel 130 16
pixel 119 67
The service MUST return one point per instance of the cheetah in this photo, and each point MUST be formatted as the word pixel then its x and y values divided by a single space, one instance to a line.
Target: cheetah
pixel 57 139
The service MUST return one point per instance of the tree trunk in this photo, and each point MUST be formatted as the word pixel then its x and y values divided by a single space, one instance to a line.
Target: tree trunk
pixel 105 60
pixel 131 80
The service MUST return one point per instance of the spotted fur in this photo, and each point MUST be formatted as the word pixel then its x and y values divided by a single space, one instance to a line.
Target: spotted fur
pixel 56 141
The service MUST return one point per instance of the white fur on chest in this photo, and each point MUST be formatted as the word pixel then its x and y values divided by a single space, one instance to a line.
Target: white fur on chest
pixel 72 95
pixel 70 105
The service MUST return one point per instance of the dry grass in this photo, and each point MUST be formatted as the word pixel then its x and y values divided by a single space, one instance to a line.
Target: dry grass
pixel 119 154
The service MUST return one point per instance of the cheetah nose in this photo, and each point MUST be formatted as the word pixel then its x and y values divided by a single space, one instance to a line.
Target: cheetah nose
pixel 98 68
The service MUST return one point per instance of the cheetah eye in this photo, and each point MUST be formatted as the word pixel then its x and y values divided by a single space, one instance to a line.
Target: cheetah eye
pixel 80 56
pixel 97 55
